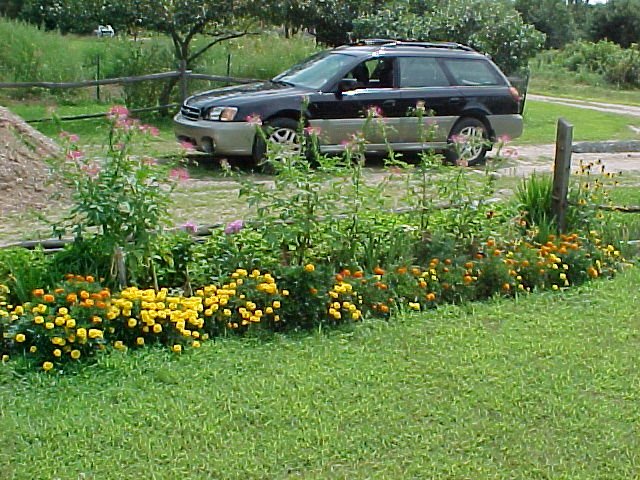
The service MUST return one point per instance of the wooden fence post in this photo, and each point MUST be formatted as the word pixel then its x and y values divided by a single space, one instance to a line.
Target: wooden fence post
pixel 183 81
pixel 561 173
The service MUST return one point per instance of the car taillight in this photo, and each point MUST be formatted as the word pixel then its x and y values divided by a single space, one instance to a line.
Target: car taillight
pixel 515 94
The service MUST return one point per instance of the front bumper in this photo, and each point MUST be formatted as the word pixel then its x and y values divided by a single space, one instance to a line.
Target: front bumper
pixel 221 138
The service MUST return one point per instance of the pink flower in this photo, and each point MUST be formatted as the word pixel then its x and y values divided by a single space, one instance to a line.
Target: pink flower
pixel 149 161
pixel 179 174
pixel 91 169
pixel 74 155
pixel 374 112
pixel 253 119
pixel 74 138
pixel 118 112
pixel 154 131
pixel 234 227
pixel 459 139
pixel 312 131
pixel 190 227
pixel 502 139
pixel 187 145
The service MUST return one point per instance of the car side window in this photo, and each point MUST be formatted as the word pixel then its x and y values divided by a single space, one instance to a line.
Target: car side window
pixel 421 72
pixel 473 72
pixel 382 75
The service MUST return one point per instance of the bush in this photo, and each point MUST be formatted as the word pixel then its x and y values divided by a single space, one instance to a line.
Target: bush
pixel 615 64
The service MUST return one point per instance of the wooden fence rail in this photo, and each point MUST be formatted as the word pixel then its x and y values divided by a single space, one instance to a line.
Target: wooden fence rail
pixel 127 80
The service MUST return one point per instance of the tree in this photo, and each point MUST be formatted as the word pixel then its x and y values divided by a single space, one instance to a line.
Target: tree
pixel 552 17
pixel 617 21
pixel 183 20
pixel 492 27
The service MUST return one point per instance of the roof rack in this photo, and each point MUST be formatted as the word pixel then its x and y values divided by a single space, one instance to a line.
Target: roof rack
pixel 388 42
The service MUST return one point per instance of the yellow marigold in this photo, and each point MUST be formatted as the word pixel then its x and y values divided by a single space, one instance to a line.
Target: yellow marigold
pixel 49 325
pixel 20 338
pixel 276 303
pixel 157 328
pixel 140 341
pixel 57 352
pixel 81 333
pixel 75 354
pixel 132 322
pixel 118 345
pixel 57 341
pixel 46 366
pixel 71 323
pixel 309 267
pixel 177 348
pixel 95 333
pixel 195 344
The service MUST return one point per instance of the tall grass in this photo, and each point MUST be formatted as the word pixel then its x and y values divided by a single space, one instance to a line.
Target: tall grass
pixel 30 54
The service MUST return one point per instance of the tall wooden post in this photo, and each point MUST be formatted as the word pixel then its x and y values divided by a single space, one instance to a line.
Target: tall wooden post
pixel 561 173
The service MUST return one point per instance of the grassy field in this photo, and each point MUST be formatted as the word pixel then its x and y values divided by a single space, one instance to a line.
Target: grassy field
pixel 560 83
pixel 545 386
pixel 541 118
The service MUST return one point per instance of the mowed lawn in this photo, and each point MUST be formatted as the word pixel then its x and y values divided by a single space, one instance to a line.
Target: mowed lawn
pixel 544 386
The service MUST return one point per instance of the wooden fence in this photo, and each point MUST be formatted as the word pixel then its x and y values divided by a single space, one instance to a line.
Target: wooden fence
pixel 183 75
pixel 562 168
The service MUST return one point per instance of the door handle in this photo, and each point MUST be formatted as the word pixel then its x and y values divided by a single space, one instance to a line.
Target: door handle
pixel 455 100
pixel 389 103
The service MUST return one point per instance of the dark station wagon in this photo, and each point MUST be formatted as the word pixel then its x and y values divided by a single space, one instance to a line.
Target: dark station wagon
pixel 469 100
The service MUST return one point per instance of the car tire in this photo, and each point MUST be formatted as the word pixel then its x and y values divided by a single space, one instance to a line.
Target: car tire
pixel 468 142
pixel 282 131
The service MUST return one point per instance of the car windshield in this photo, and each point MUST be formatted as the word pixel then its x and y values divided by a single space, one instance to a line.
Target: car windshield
pixel 316 70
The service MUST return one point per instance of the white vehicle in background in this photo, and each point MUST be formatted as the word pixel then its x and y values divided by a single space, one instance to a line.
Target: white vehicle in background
pixel 105 31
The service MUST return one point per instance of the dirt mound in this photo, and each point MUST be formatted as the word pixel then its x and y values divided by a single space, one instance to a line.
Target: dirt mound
pixel 24 174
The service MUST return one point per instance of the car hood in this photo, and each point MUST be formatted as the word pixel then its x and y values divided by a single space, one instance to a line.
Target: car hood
pixel 240 95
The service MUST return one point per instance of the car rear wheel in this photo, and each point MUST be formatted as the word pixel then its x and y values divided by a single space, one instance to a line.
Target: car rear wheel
pixel 280 137
pixel 468 142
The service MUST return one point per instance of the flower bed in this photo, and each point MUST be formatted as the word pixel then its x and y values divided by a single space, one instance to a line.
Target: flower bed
pixel 80 318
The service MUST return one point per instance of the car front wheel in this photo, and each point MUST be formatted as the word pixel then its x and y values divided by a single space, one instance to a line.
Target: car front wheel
pixel 468 142
pixel 280 137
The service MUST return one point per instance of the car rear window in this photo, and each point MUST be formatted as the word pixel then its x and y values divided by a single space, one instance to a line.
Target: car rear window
pixel 469 72
pixel 421 72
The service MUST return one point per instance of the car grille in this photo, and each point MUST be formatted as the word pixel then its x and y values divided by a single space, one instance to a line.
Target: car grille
pixel 190 113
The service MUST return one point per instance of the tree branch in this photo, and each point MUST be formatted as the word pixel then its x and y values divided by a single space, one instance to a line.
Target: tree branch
pixel 218 40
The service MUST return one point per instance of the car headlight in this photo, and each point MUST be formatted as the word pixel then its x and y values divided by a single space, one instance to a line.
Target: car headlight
pixel 222 114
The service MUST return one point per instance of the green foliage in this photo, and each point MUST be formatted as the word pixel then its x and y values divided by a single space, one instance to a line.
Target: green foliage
pixel 22 270
pixel 141 59
pixel 617 21
pixel 491 27
pixel 534 203
pixel 552 17
pixel 615 64
pixel 122 196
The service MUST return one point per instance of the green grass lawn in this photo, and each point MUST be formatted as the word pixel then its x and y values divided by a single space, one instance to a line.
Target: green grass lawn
pixel 545 386
pixel 541 118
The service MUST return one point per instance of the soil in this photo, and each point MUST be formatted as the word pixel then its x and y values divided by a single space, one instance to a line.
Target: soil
pixel 24 175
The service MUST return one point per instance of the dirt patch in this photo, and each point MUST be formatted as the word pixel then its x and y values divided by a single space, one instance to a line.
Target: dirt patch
pixel 24 175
